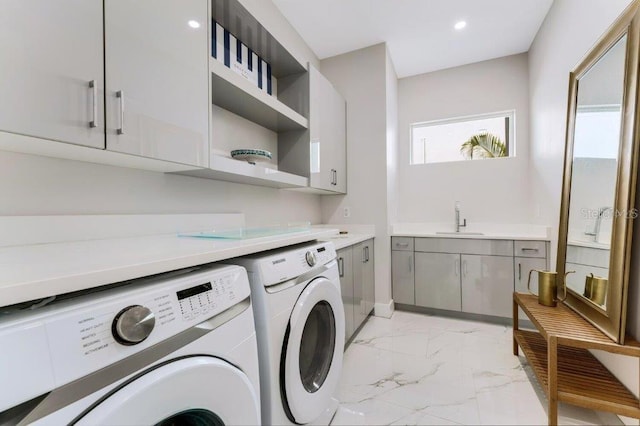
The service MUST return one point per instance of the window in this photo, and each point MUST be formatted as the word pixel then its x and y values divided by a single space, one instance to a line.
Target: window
pixel 467 138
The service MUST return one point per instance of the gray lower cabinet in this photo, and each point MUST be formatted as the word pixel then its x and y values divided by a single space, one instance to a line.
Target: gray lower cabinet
pixel 437 280
pixel 464 274
pixel 363 281
pixel 402 277
pixel 487 284
pixel 345 268
pixel 357 283
pixel 522 266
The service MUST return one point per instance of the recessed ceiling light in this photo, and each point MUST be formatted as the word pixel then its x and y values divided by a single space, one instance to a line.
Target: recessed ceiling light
pixel 460 25
pixel 194 24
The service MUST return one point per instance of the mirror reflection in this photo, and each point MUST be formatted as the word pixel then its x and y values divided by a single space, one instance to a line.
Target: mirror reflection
pixel 596 143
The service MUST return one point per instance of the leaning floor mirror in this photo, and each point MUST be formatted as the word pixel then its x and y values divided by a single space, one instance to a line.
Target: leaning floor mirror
pixel 600 167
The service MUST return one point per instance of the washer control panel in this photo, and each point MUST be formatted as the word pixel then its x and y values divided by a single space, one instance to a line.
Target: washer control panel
pixel 201 300
pixel 285 265
pixel 102 328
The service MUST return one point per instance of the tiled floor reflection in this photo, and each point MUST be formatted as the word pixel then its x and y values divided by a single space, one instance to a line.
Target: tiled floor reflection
pixel 426 370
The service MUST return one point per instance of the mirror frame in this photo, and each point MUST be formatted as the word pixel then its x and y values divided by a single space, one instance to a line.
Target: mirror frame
pixel 611 321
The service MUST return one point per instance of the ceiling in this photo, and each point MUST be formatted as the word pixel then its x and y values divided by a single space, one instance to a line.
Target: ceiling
pixel 419 33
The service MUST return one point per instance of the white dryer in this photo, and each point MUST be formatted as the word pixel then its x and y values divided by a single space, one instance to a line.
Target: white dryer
pixel 300 328
pixel 179 348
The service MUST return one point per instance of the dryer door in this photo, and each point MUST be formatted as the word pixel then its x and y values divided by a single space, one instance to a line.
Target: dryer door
pixel 313 351
pixel 200 390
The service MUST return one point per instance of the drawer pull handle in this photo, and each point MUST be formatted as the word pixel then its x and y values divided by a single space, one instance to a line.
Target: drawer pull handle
pixel 402 244
pixel 94 104
pixel 530 249
pixel 120 96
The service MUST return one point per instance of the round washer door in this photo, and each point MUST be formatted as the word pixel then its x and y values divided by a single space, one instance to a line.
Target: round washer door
pixel 313 360
pixel 194 391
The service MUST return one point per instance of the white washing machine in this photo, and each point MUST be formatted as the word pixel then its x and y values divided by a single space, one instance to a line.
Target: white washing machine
pixel 300 328
pixel 176 349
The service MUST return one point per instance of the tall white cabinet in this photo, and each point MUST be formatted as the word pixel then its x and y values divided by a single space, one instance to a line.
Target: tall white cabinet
pixel 319 152
pixel 156 56
pixel 327 124
pixel 51 83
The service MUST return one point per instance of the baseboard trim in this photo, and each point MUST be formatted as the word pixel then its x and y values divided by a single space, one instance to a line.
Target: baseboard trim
pixel 384 310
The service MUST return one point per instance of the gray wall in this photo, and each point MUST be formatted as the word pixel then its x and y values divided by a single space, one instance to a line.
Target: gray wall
pixel 493 191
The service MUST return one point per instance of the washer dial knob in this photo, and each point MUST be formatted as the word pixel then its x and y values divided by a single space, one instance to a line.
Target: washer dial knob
pixel 311 258
pixel 133 324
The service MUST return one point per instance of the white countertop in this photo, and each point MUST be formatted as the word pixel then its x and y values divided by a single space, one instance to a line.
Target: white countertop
pixel 29 272
pixel 346 240
pixel 485 231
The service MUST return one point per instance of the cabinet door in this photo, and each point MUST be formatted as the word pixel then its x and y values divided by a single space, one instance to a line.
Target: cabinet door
pixel 345 268
pixel 157 79
pixel 363 281
pixel 359 257
pixel 369 277
pixel 402 277
pixel 327 118
pixel 437 280
pixel 52 70
pixel 487 285
pixel 339 141
pixel 522 267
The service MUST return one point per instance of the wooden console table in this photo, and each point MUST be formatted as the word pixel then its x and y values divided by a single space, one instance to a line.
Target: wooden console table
pixel 566 370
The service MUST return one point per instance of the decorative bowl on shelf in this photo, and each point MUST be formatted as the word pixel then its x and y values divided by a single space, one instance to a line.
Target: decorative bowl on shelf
pixel 252 156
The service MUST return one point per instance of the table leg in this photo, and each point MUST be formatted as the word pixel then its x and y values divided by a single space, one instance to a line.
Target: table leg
pixel 515 326
pixel 552 373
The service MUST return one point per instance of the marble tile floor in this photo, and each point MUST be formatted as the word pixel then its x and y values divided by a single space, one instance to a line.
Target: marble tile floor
pixel 416 369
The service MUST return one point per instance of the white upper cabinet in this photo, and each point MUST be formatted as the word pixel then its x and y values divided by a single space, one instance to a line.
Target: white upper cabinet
pixel 51 83
pixel 157 79
pixel 327 125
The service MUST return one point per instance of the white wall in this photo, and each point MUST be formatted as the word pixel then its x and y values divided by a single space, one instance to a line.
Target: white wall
pixel 32 185
pixel 494 191
pixel 361 77
pixel 570 29
pixel 392 142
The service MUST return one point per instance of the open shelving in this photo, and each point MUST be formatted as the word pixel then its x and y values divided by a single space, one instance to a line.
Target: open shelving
pixel 283 113
pixel 228 169
pixel 236 94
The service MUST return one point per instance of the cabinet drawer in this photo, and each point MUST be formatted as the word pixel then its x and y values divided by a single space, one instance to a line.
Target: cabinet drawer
pixel 402 243
pixel 530 249
pixel 465 246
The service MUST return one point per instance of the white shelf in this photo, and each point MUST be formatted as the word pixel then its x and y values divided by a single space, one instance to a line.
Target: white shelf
pixel 228 169
pixel 236 94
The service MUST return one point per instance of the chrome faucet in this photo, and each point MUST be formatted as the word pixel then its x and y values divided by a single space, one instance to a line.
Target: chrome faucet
pixel 596 230
pixel 457 218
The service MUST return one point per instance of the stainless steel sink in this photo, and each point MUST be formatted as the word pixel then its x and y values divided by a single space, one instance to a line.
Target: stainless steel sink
pixel 458 233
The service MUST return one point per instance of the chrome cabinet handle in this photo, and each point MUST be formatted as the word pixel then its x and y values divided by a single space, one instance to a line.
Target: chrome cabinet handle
pixel 341 267
pixel 366 250
pixel 456 267
pixel 535 250
pixel 402 245
pixel 519 271
pixel 364 255
pixel 94 104
pixel 334 177
pixel 464 268
pixel 120 95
